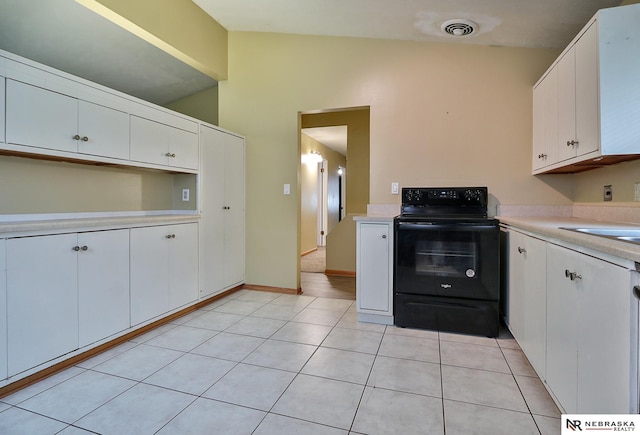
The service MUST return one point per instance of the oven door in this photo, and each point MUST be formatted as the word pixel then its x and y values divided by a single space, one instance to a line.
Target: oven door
pixel 451 259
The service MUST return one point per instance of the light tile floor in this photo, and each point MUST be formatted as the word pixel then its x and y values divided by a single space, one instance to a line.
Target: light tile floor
pixel 264 363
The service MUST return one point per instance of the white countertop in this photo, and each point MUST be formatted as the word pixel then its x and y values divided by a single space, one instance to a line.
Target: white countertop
pixel 551 227
pixel 43 224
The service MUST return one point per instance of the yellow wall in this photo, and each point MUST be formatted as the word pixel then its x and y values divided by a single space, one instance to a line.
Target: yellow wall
pixel 39 186
pixel 357 122
pixel 309 190
pixel 440 114
pixel 202 106
pixel 178 27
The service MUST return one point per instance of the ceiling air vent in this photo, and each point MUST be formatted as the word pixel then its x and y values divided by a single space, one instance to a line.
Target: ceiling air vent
pixel 459 27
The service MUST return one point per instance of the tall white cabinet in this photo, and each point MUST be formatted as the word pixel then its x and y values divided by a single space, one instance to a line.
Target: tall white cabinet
pixel 3 310
pixel 222 199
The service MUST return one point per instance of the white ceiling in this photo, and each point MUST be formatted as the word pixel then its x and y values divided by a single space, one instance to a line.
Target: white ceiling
pixel 67 36
pixel 332 137
pixel 515 23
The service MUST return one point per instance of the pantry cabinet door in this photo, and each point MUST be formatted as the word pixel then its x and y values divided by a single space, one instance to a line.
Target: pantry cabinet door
pixel 103 284
pixel 234 217
pixel 106 131
pixel 42 299
pixel 40 118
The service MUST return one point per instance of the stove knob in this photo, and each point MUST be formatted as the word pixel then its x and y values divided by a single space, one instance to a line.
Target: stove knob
pixel 473 195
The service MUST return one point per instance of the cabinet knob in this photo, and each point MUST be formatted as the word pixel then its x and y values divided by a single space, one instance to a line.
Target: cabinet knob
pixel 572 275
pixel 571 143
pixel 76 248
pixel 542 156
pixel 170 155
pixel 384 236
pixel 85 139
pixel 521 250
pixel 76 137
pixel 171 236
pixel 84 248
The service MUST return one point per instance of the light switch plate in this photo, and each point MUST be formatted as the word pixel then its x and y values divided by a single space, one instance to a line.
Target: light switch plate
pixel 395 188
pixel 287 189
pixel 185 195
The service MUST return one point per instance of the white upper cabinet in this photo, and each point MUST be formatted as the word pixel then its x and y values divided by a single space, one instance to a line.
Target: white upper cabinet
pixel 2 105
pixel 586 106
pixel 53 114
pixel 161 144
pixel 41 118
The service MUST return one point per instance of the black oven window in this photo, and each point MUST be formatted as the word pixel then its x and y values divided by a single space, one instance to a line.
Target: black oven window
pixel 446 258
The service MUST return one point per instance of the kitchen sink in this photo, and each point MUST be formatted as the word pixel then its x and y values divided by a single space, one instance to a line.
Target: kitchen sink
pixel 624 234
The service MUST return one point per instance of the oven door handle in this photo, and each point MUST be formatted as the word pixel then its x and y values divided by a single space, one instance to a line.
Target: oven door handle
pixel 458 226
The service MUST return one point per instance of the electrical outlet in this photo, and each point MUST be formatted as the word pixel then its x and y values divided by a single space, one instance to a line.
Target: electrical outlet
pixel 607 193
pixel 185 195
pixel 395 188
pixel 636 194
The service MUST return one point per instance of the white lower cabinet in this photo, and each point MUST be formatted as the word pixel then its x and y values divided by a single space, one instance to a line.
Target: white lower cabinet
pixel 64 291
pixel 103 284
pixel 164 269
pixel 3 311
pixel 42 299
pixel 374 271
pixel 527 300
pixel 591 334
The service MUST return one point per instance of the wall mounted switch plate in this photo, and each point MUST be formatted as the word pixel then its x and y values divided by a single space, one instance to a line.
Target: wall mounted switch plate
pixel 395 188
pixel 185 195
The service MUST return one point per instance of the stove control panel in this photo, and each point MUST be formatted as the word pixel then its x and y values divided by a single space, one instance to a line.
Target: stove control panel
pixel 433 196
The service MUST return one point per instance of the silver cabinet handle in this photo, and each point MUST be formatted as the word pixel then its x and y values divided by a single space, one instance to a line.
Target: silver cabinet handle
pixel 170 154
pixel 76 137
pixel 542 156
pixel 171 236
pixel 226 207
pixel 85 139
pixel 84 248
pixel 384 236
pixel 572 275
pixel 76 248
pixel 571 143
pixel 521 250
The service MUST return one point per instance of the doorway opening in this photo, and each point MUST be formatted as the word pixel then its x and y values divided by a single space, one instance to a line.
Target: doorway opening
pixel 334 183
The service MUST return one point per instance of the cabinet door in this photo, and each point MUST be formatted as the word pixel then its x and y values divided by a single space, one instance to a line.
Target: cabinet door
pixel 42 299
pixel 3 312
pixel 106 131
pixel 234 219
pixel 516 297
pixel 605 339
pixel 40 118
pixel 212 211
pixel 374 256
pixel 103 284
pixel 545 128
pixel 184 145
pixel 2 106
pixel 586 92
pixel 567 106
pixel 562 327
pixel 149 141
pixel 149 272
pixel 183 264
